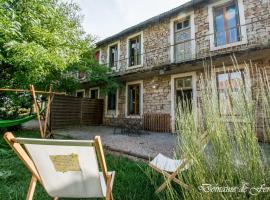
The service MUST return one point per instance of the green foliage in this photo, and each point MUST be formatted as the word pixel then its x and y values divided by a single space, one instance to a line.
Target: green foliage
pixel 39 38
pixel 233 158
pixel 14 105
pixel 42 43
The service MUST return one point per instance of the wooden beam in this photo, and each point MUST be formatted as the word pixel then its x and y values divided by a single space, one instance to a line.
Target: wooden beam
pixel 22 90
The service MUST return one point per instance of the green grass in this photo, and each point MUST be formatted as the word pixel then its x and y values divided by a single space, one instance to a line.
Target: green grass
pixel 131 182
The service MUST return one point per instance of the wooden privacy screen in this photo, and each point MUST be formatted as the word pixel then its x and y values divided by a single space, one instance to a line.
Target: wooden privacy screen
pixel 157 122
pixel 68 111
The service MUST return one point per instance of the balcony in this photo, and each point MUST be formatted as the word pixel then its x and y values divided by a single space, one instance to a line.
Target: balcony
pixel 253 35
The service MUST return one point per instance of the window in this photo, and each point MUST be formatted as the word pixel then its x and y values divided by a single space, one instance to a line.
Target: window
pixel 113 56
pixel 229 85
pixel 97 56
pixel 135 51
pixel 111 101
pixel 182 39
pixel 81 75
pixel 184 92
pixel 94 94
pixel 226 24
pixel 80 93
pixel 134 99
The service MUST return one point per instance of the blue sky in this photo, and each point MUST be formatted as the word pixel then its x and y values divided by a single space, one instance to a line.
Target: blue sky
pixel 104 18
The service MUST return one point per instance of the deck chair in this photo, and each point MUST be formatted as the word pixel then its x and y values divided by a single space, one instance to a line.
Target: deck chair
pixel 65 168
pixel 170 168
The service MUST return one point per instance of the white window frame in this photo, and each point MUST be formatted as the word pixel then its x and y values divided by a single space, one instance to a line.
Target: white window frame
pixel 211 25
pixel 93 88
pixel 192 27
pixel 173 97
pixel 141 99
pixel 115 114
pixel 142 50
pixel 117 43
pixel 81 90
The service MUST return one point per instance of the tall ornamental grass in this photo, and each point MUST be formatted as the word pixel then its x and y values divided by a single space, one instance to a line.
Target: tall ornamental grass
pixel 233 164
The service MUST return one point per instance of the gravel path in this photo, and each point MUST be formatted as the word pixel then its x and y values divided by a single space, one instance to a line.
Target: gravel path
pixel 146 145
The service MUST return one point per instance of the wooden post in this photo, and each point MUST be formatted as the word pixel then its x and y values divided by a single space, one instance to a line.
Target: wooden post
pixel 47 111
pixel 32 89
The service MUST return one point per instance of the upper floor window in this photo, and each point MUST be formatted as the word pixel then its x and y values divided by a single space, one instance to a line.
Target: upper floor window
pixel 182 39
pixel 113 55
pixel 135 51
pixel 227 28
pixel 226 24
pixel 97 56
pixel 81 75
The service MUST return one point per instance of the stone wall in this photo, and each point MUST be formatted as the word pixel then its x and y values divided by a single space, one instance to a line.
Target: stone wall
pixel 156 37
pixel 157 95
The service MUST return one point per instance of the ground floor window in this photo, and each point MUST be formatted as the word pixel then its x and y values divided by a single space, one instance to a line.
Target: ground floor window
pixel 183 87
pixel 111 101
pixel 229 85
pixel 134 97
pixel 80 93
pixel 94 93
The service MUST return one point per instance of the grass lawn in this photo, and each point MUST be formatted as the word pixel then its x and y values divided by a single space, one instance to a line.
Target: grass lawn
pixel 131 182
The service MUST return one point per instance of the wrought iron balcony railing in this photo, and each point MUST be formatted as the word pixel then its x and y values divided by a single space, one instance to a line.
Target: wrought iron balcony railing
pixel 255 34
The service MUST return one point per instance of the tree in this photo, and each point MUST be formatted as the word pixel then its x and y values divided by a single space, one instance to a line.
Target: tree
pixel 42 42
pixel 39 40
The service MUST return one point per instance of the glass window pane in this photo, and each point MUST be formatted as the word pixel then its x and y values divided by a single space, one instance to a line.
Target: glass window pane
pixel 111 101
pixel 220 36
pixel 179 26
pixel 229 88
pixel 186 23
pixel 232 24
pixel 134 99
pixel 135 51
pixel 113 56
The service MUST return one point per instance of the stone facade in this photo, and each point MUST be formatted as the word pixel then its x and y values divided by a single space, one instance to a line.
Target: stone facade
pixel 156 37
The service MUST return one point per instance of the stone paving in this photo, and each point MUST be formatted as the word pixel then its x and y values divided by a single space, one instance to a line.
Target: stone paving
pixel 145 145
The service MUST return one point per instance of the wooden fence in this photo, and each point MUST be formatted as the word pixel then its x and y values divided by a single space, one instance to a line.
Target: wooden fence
pixel 68 110
pixel 157 122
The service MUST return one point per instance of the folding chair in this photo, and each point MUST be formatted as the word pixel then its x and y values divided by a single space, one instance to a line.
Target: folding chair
pixel 170 168
pixel 65 168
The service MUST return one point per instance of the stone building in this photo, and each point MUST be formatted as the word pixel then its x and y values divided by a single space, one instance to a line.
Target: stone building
pixel 160 60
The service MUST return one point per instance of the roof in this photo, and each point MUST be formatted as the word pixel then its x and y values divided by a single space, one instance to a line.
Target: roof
pixel 145 23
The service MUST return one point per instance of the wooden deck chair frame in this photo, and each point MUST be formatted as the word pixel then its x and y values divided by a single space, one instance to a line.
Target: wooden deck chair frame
pixel 172 176
pixel 15 144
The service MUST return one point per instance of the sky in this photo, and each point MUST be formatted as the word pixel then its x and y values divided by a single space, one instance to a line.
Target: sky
pixel 103 18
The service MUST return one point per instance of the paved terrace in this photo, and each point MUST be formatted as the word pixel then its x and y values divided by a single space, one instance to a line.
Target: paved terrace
pixel 144 146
